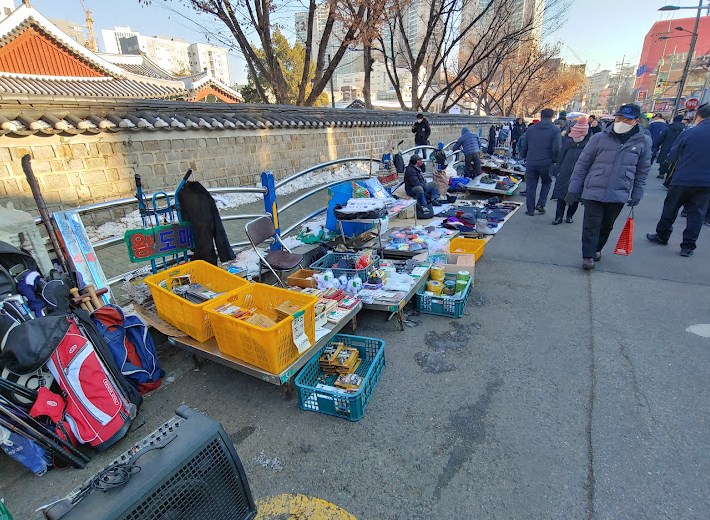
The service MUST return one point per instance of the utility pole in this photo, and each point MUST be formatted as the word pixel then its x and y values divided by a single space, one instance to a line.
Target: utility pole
pixel 332 94
pixel 619 72
pixel 688 60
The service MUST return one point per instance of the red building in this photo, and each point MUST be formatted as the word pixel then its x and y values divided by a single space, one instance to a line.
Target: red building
pixel 667 57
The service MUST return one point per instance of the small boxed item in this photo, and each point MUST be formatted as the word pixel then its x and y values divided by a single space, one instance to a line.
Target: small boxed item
pixel 318 392
pixel 302 278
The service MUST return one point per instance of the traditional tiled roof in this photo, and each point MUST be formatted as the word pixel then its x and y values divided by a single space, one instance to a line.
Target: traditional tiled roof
pixel 80 116
pixel 203 84
pixel 39 61
pixel 137 64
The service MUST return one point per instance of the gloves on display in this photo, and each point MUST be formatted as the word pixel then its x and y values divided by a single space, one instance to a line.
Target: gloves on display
pixel 633 202
pixel 571 198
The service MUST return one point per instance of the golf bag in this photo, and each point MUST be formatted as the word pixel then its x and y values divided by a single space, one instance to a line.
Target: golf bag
pixel 97 412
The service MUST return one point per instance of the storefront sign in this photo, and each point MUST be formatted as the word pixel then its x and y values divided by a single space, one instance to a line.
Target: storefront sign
pixel 692 103
pixel 157 242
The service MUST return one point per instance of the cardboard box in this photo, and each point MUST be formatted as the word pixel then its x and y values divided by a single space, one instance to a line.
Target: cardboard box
pixel 302 278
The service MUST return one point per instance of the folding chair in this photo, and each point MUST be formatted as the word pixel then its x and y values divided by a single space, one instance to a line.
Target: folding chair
pixel 259 231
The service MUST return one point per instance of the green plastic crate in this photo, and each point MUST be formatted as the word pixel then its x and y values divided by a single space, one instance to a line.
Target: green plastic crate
pixel 450 306
pixel 342 404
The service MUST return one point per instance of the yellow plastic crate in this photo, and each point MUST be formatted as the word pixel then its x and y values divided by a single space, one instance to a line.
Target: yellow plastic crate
pixel 468 246
pixel 187 316
pixel 271 349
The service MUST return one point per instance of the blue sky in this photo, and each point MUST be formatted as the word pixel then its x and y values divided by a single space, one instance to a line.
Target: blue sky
pixel 600 32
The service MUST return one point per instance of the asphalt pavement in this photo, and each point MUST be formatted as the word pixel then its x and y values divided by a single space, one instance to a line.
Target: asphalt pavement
pixel 561 394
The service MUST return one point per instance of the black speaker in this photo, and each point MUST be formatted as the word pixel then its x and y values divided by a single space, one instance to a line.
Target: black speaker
pixel 186 469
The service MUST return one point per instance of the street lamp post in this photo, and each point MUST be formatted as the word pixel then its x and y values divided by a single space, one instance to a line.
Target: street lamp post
pixel 691 50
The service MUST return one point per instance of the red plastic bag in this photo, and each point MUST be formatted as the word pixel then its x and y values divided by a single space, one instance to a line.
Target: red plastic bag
pixel 626 241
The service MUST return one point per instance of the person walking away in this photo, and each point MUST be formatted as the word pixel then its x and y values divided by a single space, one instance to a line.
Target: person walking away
pixel 491 140
pixel 540 149
pixel 440 164
pixel 664 143
pixel 421 131
pixel 416 186
pixel 655 127
pixel 503 134
pixel 572 147
pixel 594 126
pixel 471 146
pixel 516 134
pixel 562 123
pixel 611 170
pixel 690 185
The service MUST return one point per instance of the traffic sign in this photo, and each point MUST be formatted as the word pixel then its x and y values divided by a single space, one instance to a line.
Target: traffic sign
pixel 692 103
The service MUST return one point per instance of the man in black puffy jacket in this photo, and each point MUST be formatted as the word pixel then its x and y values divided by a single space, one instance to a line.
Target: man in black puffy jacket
pixel 540 148
pixel 421 131
pixel 416 186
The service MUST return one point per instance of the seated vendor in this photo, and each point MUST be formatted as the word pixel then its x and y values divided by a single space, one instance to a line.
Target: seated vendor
pixel 416 186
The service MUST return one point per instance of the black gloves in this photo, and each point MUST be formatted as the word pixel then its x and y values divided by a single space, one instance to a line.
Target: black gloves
pixel 571 198
pixel 633 202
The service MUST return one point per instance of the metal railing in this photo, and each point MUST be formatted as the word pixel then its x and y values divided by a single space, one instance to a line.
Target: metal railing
pixel 262 190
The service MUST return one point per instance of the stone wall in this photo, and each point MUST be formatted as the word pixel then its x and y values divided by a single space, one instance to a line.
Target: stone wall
pixel 83 169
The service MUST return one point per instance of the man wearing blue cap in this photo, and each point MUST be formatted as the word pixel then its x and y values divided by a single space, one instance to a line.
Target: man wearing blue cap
pixel 611 171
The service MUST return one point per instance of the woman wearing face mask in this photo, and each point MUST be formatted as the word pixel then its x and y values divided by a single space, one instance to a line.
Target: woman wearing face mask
pixel 611 171
pixel 572 147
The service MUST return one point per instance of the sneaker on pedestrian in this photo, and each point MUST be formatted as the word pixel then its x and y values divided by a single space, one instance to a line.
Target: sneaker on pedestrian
pixel 707 222
pixel 597 256
pixel 684 213
pixel 541 209
pixel 569 220
pixel 660 176
pixel 558 220
pixel 530 213
pixel 686 252
pixel 435 203
pixel 652 237
pixel 587 263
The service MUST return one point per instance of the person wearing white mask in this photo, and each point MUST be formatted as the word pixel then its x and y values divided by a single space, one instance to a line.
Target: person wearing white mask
pixel 610 172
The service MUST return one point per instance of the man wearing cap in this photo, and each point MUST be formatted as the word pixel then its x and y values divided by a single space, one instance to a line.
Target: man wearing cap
pixel 610 172
pixel 421 131
pixel 655 127
pixel 690 184
pixel 416 186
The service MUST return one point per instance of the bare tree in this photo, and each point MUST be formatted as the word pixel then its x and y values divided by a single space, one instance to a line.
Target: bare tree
pixel 249 20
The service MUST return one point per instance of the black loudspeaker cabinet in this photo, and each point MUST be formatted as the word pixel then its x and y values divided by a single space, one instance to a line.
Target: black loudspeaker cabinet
pixel 189 469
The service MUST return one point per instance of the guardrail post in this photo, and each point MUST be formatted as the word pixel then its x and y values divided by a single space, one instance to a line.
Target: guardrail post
pixel 268 182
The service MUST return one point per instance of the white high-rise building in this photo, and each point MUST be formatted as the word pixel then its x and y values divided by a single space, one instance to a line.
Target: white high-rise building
pixel 112 38
pixel 210 58
pixel 169 54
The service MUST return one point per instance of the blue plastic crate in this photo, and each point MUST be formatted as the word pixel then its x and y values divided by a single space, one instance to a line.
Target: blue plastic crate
pixel 450 306
pixel 328 260
pixel 342 404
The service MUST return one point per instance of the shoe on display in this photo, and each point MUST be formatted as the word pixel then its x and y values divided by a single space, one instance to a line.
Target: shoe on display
pixel 652 237
pixel 435 203
pixel 587 263
pixel 686 252
pixel 558 220
pixel 569 220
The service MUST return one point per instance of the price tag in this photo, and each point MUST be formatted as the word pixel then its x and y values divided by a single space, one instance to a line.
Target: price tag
pixel 298 327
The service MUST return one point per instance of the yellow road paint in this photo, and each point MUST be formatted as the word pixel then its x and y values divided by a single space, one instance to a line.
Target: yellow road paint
pixel 299 507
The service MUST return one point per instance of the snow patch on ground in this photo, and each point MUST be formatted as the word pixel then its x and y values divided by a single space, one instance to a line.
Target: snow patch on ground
pixel 226 201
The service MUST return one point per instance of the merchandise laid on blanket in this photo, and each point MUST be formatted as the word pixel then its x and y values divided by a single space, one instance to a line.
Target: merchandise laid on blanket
pixel 72 367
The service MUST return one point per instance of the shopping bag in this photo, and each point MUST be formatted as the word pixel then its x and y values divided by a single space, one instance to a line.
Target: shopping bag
pixel 626 241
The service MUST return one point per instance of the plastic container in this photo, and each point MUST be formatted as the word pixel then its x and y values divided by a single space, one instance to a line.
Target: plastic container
pixel 467 246
pixel 328 260
pixel 271 349
pixel 339 403
pixel 187 316
pixel 450 306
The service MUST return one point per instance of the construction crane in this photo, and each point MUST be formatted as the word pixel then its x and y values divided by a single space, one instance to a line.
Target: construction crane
pixel 91 41
pixel 581 60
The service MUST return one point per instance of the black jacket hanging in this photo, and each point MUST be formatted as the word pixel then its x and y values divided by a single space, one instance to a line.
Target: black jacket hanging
pixel 198 206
